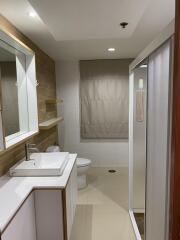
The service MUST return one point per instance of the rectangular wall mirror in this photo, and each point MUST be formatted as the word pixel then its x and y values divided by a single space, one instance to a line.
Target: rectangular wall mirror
pixel 19 119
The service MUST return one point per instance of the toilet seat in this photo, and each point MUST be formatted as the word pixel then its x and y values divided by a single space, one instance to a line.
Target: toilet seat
pixel 83 162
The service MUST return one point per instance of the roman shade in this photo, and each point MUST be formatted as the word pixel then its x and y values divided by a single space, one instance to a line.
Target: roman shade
pixel 104 88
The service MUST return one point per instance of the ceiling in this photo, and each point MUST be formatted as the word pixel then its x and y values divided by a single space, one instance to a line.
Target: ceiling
pixel 95 19
pixel 83 29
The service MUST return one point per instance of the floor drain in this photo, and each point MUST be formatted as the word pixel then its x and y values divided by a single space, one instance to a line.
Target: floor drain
pixel 112 171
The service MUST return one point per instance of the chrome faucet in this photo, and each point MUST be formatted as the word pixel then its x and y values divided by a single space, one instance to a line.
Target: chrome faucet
pixel 30 148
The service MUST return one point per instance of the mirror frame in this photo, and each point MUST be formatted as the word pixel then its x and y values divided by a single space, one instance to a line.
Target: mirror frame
pixel 30 72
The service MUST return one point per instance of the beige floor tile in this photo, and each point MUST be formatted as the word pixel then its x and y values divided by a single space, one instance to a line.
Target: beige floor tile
pixel 102 212
pixel 82 228
pixel 110 222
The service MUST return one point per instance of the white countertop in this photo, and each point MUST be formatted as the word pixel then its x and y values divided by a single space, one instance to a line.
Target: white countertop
pixel 14 190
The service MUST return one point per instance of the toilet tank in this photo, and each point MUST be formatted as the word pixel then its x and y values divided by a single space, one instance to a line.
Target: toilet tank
pixel 53 149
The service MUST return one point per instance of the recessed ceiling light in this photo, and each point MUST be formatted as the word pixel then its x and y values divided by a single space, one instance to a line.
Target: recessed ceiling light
pixel 32 14
pixel 111 49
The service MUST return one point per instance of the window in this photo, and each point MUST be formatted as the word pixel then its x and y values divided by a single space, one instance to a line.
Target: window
pixel 104 95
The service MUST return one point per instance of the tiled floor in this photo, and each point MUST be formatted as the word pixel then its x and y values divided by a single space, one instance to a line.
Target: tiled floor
pixel 102 211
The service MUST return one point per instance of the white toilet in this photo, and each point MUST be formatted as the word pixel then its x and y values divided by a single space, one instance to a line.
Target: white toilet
pixel 82 168
pixel 83 165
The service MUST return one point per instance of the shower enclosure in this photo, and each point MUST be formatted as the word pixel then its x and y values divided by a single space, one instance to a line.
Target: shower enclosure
pixel 139 140
pixel 149 141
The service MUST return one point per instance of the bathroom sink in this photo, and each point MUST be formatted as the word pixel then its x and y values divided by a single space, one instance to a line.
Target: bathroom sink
pixel 41 164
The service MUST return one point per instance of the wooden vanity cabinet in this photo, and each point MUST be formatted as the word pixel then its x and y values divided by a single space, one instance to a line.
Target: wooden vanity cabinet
pixel 46 214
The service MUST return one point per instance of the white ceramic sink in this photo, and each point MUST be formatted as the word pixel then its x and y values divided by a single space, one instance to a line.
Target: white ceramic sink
pixel 41 164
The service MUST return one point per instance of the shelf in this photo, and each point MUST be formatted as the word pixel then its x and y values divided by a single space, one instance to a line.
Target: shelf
pixel 50 123
pixel 53 101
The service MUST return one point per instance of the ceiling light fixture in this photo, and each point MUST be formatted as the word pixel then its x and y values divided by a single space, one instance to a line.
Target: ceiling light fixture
pixel 124 24
pixel 111 49
pixel 32 14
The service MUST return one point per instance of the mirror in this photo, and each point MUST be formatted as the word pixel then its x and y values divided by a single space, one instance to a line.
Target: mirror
pixel 13 91
pixel 18 116
pixel 9 84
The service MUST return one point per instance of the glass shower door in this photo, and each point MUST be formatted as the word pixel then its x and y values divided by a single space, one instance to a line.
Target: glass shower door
pixel 138 165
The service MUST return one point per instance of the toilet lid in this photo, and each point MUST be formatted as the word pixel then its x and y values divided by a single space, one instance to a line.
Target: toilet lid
pixel 82 162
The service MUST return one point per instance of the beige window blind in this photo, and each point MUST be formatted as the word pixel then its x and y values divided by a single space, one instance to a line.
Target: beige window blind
pixel 104 94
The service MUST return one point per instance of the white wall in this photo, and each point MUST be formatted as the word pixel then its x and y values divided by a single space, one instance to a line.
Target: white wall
pixel 102 153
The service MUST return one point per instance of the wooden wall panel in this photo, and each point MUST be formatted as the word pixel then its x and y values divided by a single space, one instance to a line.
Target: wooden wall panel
pixel 45 73
pixel 174 222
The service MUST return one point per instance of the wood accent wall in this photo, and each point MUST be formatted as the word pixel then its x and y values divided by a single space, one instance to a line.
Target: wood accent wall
pixel 174 221
pixel 45 73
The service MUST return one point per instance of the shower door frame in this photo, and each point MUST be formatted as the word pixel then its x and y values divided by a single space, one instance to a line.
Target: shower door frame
pixel 163 37
pixel 174 218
